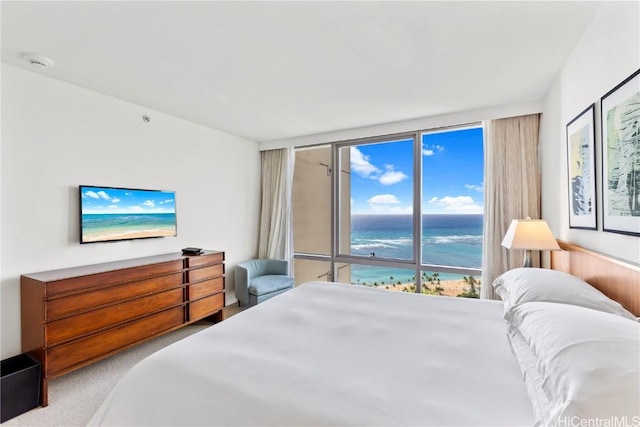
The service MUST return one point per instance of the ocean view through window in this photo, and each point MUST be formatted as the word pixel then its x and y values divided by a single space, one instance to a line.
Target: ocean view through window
pixel 387 190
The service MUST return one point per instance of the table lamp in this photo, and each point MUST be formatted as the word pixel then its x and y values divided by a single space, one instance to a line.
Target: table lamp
pixel 529 234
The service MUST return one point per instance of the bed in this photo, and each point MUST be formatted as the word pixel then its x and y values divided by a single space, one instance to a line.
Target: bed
pixel 329 354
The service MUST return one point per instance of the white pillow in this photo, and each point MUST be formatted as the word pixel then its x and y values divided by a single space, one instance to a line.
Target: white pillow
pixel 589 361
pixel 522 285
pixel 533 379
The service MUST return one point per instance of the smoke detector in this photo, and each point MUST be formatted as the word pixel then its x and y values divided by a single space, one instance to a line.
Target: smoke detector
pixel 37 61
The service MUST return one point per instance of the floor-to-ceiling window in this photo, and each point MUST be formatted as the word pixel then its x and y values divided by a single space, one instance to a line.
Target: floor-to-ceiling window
pixel 402 212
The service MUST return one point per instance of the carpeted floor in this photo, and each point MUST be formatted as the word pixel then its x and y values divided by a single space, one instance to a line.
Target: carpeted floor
pixel 75 397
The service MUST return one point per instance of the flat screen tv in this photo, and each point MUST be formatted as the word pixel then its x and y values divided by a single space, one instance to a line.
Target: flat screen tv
pixel 111 214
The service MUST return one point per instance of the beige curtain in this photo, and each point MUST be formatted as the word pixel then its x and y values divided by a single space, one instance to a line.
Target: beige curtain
pixel 512 191
pixel 276 231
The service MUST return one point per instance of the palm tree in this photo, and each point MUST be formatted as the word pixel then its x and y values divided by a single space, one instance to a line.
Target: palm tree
pixel 471 281
pixel 472 292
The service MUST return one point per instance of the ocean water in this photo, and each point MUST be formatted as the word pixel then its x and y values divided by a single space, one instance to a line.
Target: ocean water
pixel 97 227
pixel 454 240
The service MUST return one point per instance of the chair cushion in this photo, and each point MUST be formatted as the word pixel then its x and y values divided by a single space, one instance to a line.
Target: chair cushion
pixel 262 285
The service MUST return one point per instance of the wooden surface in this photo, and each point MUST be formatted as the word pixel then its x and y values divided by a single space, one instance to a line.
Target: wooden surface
pixel 76 316
pixel 617 279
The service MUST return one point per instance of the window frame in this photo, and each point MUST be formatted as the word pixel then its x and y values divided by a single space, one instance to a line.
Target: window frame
pixel 415 264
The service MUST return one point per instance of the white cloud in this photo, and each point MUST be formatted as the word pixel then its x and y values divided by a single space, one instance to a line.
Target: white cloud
pixel 478 188
pixel 388 203
pixel 149 203
pixel 459 204
pixel 115 200
pixel 392 176
pixel 166 201
pixel 103 195
pixel 99 195
pixel 137 208
pixel 360 164
pixel 91 194
pixel 430 150
pixel 384 199
pixel 114 207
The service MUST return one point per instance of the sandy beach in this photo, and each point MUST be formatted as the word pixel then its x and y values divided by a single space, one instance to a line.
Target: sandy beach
pixel 450 287
pixel 130 235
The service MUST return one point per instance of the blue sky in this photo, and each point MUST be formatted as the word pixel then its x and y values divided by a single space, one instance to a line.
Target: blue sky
pixel 453 164
pixel 99 200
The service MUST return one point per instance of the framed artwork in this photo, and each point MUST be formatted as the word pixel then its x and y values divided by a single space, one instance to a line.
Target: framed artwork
pixel 581 166
pixel 620 119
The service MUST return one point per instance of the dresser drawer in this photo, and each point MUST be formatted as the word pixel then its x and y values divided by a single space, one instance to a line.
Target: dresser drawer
pixel 71 327
pixel 200 260
pixel 206 306
pixel 205 273
pixel 111 277
pixel 96 346
pixel 60 307
pixel 72 317
pixel 201 289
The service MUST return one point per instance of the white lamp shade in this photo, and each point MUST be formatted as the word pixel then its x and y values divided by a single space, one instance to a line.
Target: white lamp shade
pixel 530 234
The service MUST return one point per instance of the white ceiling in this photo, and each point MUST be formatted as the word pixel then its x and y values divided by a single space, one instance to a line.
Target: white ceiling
pixel 275 70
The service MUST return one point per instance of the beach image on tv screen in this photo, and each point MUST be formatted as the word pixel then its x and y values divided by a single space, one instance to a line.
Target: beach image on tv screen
pixel 122 214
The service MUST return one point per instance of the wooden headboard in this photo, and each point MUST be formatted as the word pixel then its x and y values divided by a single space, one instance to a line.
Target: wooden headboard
pixel 617 279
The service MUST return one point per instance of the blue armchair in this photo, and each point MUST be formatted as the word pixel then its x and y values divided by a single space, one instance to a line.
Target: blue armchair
pixel 257 280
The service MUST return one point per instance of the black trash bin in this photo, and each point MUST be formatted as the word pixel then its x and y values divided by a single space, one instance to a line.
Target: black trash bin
pixel 19 386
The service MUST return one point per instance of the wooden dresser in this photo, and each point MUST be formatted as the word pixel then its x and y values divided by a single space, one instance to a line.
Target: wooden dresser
pixel 76 316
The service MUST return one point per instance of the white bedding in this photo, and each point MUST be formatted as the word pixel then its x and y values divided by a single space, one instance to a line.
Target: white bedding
pixel 333 354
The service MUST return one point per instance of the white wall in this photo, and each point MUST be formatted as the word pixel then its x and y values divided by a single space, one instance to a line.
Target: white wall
pixel 56 136
pixel 607 53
